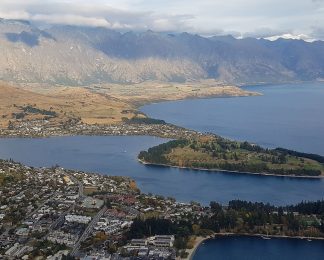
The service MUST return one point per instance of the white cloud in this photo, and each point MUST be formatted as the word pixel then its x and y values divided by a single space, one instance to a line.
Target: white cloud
pixel 291 36
pixel 257 18
pixel 71 20
pixel 14 15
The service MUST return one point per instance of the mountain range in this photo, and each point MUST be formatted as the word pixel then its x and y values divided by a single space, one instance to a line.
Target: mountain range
pixel 72 55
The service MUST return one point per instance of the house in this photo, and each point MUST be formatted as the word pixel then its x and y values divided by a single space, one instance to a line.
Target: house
pixel 139 242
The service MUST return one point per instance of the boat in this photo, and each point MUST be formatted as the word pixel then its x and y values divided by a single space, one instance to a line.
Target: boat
pixel 309 240
pixel 266 237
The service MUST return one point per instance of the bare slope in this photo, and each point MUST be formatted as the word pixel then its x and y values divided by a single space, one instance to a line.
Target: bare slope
pixel 97 104
pixel 65 103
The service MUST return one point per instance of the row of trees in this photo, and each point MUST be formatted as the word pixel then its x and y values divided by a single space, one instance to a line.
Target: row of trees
pixel 35 110
pixel 254 168
pixel 156 154
pixel 314 157
pixel 238 216
pixel 316 207
pixel 153 226
pixel 145 120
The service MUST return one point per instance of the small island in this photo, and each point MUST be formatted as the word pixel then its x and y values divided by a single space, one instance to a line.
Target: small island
pixel 215 153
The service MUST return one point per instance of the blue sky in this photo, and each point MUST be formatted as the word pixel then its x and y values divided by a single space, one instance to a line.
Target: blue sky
pixel 242 18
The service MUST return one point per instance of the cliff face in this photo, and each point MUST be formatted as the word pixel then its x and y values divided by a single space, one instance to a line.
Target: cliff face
pixel 80 56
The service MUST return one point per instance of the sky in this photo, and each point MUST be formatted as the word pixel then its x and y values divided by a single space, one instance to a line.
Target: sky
pixel 301 19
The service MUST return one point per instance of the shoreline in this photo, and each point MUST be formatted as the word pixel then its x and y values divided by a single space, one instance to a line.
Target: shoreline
pixel 165 130
pixel 201 240
pixel 103 131
pixel 226 171
pixel 262 236
pixel 198 241
pixel 25 128
pixel 245 94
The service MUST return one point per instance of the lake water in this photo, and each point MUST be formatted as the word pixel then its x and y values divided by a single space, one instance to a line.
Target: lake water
pixel 117 155
pixel 290 116
pixel 263 119
pixel 286 116
pixel 253 248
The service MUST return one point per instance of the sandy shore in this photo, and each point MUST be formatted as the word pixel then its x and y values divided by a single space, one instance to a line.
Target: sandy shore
pixel 198 242
pixel 234 172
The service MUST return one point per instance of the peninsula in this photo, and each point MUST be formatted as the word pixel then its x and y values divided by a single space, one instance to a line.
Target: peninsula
pixel 215 153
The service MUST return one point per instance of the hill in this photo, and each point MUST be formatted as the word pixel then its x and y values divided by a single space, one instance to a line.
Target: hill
pixel 216 153
pixel 59 105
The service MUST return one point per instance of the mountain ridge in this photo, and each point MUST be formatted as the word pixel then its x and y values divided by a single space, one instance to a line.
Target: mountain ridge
pixel 72 55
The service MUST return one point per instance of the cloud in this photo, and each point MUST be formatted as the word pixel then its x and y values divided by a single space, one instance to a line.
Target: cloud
pixel 265 33
pixel 243 18
pixel 71 20
pixel 291 36
pixel 272 35
pixel 96 14
pixel 14 15
pixel 317 33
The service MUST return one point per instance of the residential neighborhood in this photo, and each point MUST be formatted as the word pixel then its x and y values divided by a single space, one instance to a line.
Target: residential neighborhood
pixel 52 213
pixel 46 128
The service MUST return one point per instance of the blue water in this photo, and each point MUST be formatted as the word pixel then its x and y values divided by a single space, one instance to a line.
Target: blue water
pixel 290 116
pixel 252 248
pixel 287 116
pixel 117 155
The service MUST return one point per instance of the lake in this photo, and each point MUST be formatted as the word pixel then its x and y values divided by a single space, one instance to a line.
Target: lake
pixel 117 155
pixel 287 116
pixel 254 248
pixel 290 116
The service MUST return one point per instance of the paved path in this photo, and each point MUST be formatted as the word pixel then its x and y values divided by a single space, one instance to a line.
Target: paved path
pixel 87 231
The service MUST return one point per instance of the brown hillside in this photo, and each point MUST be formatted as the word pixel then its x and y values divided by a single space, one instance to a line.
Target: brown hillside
pixel 65 102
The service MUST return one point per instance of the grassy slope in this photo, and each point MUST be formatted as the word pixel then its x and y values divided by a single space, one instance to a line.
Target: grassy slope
pixel 188 156
pixel 66 102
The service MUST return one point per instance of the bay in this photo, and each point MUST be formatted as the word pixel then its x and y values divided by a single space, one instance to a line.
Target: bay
pixel 117 155
pixel 289 116
pixel 254 248
pixel 286 115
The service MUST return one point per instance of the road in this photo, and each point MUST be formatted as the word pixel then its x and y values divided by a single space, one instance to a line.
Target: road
pixel 87 231
pixel 62 216
pixel 60 219
pixel 51 196
pixel 80 184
